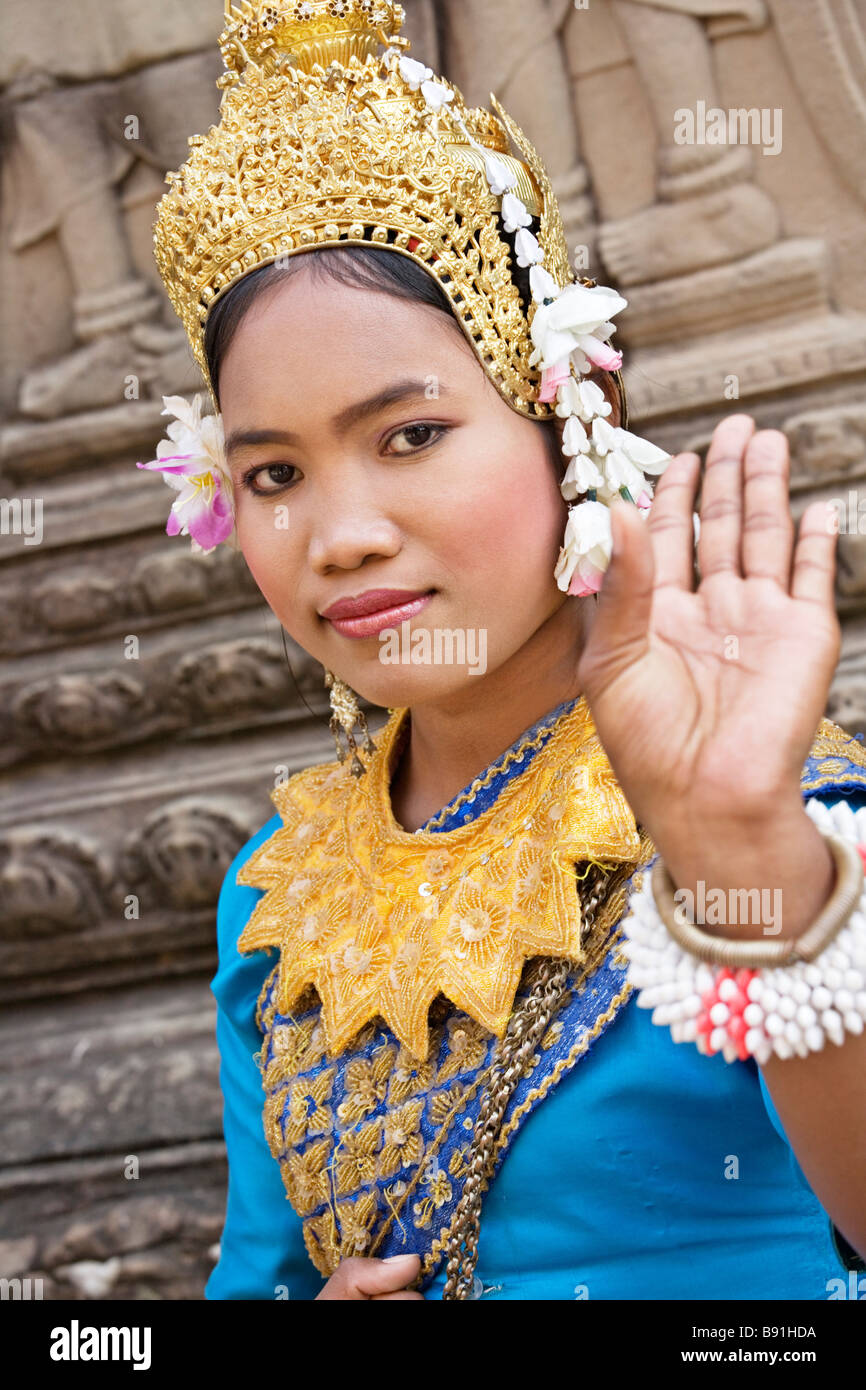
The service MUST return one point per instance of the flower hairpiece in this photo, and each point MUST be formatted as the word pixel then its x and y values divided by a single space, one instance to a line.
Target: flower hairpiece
pixel 569 330
pixel 192 461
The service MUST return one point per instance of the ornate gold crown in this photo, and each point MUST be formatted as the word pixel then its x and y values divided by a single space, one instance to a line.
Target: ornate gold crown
pixel 322 142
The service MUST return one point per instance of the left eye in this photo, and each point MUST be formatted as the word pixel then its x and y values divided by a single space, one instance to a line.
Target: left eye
pixel 436 430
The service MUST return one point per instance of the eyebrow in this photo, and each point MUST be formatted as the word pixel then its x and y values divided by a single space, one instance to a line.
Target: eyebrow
pixel 408 389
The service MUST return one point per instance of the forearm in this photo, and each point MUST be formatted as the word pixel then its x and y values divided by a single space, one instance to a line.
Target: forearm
pixel 820 1099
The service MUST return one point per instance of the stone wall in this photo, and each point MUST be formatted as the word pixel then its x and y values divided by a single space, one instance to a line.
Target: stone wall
pixel 147 704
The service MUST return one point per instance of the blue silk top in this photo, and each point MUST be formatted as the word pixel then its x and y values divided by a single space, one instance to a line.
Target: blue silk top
pixel 647 1171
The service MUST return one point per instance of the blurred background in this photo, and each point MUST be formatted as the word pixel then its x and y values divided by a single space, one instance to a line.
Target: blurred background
pixel 147 704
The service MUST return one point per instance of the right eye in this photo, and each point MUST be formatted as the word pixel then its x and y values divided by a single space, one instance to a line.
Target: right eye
pixel 269 468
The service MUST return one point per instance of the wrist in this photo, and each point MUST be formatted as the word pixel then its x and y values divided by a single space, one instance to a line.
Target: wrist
pixel 752 880
pixel 744 998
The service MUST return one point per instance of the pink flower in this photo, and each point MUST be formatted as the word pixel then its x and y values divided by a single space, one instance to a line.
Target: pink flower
pixel 586 549
pixel 571 320
pixel 601 354
pixel 192 461
pixel 587 579
pixel 554 377
pixel 208 513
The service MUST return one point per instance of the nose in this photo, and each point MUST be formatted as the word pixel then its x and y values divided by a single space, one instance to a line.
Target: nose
pixel 351 525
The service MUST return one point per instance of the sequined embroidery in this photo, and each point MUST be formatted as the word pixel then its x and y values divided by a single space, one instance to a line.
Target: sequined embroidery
pixel 372 1148
pixel 381 921
pixel 372 1144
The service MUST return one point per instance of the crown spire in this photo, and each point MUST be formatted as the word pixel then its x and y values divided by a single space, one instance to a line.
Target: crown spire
pixel 276 34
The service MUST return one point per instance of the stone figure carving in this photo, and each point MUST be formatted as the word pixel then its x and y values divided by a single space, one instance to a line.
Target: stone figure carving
pixel 707 209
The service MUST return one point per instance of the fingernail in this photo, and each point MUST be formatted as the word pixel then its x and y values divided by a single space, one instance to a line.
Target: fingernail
pixel 389 1259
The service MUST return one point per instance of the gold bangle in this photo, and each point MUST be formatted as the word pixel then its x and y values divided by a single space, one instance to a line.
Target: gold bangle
pixel 752 954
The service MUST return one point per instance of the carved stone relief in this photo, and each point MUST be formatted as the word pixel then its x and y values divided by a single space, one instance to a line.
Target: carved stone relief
pixel 147 707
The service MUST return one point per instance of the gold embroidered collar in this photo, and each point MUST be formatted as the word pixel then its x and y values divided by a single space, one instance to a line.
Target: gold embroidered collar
pixel 381 920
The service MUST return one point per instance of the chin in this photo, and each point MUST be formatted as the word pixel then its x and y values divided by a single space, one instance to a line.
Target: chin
pixel 403 686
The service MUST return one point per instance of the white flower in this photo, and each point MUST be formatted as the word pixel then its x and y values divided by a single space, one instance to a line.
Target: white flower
pixel 603 436
pixel 585 399
pixel 414 73
pixel 646 456
pixel 580 476
pixel 586 550
pixel 572 321
pixel 542 284
pixel 499 176
pixel 575 439
pixel 626 457
pixel 514 214
pixel 528 252
pixel 436 95
pixel 620 472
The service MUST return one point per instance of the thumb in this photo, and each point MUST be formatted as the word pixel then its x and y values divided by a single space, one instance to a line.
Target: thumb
pixel 621 620
pixel 368 1277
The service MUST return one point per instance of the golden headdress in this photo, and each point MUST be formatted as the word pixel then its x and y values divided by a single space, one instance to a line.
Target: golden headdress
pixel 322 143
pixel 323 140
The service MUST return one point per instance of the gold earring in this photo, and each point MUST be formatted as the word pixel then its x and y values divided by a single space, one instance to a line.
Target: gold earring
pixel 346 713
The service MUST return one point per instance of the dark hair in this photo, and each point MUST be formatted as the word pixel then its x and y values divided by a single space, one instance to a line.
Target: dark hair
pixel 366 267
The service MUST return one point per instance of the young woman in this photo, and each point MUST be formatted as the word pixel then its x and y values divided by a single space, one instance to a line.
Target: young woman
pixel 463 924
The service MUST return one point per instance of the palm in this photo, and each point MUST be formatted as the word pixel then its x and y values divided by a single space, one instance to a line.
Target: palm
pixel 708 697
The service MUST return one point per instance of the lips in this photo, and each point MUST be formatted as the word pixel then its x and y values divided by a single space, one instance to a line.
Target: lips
pixel 373 623
pixel 373 601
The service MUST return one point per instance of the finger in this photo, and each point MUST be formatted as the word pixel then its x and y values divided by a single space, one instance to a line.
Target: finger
pixel 721 511
pixel 377 1277
pixel 670 523
pixel 362 1278
pixel 768 527
pixel 813 574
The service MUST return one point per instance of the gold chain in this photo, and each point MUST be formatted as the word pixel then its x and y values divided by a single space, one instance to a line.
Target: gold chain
pixel 511 1057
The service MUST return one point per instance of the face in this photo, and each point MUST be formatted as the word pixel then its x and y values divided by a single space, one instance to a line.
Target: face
pixel 441 489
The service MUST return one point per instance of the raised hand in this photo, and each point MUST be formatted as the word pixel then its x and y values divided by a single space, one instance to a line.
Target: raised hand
pixel 707 696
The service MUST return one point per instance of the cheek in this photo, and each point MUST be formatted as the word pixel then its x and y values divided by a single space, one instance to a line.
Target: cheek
pixel 268 552
pixel 508 518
